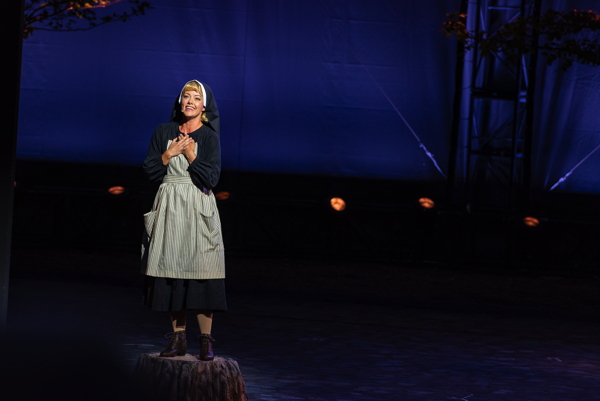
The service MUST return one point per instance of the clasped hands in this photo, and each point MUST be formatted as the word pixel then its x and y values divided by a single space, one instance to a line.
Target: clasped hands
pixel 182 145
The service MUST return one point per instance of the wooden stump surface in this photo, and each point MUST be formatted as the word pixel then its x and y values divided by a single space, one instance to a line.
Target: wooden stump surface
pixel 185 378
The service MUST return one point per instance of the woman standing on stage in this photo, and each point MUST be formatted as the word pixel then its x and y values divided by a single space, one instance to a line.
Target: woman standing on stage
pixel 183 253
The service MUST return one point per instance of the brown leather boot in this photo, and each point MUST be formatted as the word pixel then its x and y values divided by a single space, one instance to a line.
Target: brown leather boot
pixel 177 346
pixel 206 348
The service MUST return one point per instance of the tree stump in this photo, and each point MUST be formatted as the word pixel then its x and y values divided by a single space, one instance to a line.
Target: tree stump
pixel 185 378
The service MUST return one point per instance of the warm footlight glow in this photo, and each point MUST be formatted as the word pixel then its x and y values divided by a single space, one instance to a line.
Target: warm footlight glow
pixel 531 221
pixel 223 195
pixel 337 204
pixel 116 190
pixel 426 203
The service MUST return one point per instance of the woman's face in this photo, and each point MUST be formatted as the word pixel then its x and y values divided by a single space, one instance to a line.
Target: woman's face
pixel 192 104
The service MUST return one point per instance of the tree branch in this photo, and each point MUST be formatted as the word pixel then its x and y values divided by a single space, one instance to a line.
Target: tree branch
pixel 516 38
pixel 62 15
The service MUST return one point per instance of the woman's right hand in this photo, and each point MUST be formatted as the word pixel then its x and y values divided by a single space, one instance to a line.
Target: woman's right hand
pixel 177 147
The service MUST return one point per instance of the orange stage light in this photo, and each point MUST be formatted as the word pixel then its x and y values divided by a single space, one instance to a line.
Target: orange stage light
pixel 337 204
pixel 426 203
pixel 531 221
pixel 223 195
pixel 116 190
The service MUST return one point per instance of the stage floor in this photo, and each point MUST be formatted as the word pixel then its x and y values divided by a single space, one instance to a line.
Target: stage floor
pixel 309 330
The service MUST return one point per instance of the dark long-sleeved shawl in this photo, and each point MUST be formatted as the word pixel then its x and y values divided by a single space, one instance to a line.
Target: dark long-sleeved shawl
pixel 204 170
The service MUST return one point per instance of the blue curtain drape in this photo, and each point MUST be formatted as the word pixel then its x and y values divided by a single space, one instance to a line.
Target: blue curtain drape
pixel 315 86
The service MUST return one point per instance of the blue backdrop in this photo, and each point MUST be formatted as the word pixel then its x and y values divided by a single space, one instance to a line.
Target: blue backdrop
pixel 312 86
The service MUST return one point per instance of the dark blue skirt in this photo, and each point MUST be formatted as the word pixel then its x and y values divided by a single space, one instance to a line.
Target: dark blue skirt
pixel 175 294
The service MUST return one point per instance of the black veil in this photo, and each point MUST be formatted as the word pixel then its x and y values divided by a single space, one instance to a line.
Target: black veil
pixel 211 109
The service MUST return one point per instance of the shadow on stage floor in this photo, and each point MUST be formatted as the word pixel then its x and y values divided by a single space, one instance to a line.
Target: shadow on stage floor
pixel 322 330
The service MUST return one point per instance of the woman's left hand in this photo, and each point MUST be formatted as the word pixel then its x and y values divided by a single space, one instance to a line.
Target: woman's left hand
pixel 189 151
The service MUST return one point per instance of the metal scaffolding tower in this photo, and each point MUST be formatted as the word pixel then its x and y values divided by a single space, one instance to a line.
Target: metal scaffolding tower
pixel 491 138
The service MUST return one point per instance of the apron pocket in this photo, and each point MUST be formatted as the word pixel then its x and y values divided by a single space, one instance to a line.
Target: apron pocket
pixel 210 222
pixel 208 229
pixel 149 222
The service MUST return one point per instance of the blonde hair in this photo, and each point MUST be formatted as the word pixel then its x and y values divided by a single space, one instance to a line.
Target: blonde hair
pixel 195 86
pixel 192 86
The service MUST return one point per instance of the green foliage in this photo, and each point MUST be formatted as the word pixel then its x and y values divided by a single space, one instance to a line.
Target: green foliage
pixel 560 35
pixel 78 15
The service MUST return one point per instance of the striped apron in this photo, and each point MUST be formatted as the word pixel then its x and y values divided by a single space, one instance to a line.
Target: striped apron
pixel 183 229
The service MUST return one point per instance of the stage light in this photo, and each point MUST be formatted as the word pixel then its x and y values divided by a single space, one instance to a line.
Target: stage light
pixel 337 204
pixel 222 195
pixel 116 190
pixel 530 221
pixel 426 203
